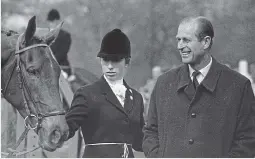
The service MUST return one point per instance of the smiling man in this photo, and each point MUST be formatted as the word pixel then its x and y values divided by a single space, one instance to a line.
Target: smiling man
pixel 109 111
pixel 202 108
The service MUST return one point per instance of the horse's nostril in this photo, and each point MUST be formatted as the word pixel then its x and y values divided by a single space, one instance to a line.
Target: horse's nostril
pixel 66 135
pixel 55 136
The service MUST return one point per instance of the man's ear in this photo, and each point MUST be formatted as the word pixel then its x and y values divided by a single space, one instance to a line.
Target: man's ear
pixel 207 42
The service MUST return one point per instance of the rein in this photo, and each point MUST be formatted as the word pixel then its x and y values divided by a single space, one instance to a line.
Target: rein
pixel 23 85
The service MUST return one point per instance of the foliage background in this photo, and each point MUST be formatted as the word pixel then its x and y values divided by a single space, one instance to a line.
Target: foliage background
pixel 151 26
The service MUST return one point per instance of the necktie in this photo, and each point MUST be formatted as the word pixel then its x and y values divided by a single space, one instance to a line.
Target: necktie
pixel 120 91
pixel 195 82
pixel 190 90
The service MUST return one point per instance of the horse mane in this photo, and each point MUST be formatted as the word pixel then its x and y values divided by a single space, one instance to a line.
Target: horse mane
pixel 10 53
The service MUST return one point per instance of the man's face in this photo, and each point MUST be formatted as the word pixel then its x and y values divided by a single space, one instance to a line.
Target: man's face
pixel 191 50
pixel 53 24
pixel 113 69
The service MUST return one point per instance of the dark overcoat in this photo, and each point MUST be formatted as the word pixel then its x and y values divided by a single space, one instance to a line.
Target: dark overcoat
pixel 218 122
pixel 102 119
pixel 60 49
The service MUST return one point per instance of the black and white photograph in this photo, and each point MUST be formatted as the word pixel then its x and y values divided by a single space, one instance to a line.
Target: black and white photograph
pixel 127 79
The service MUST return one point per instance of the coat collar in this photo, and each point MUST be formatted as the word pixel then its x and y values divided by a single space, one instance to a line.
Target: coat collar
pixel 110 96
pixel 209 82
pixel 105 86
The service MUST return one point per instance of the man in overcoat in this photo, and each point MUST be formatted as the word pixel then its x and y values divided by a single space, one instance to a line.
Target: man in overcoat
pixel 62 44
pixel 202 108
pixel 109 112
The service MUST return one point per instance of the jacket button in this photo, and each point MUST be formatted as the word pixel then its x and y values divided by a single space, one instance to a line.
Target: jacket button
pixel 126 120
pixel 191 141
pixel 193 115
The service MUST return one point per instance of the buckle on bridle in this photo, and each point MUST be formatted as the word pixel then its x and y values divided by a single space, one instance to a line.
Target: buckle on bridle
pixel 26 123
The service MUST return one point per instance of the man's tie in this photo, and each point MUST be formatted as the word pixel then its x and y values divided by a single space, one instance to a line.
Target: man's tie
pixel 195 82
pixel 190 90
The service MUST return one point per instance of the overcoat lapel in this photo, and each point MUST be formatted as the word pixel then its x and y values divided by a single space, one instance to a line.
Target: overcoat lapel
pixel 184 82
pixel 209 82
pixel 190 91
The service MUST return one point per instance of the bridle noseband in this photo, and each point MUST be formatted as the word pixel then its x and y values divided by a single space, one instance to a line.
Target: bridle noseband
pixel 23 85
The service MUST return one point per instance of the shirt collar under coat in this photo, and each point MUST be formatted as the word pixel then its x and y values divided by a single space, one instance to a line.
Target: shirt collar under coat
pixel 109 95
pixel 105 86
pixel 209 82
pixel 203 71
pixel 114 83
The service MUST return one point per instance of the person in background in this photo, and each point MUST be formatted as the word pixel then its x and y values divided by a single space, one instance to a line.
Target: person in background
pixel 109 112
pixel 147 89
pixel 202 108
pixel 62 44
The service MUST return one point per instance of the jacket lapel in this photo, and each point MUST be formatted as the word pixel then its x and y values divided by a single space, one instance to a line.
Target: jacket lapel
pixel 129 99
pixel 109 95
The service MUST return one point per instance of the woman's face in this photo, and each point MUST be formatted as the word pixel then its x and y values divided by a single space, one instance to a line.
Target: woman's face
pixel 114 69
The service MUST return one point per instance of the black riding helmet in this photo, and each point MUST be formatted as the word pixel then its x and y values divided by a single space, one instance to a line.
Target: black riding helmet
pixel 53 15
pixel 115 46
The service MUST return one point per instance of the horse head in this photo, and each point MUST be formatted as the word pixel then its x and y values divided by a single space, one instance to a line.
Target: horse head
pixel 30 82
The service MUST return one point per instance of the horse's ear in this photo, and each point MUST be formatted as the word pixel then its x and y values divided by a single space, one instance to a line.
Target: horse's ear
pixel 53 34
pixel 31 28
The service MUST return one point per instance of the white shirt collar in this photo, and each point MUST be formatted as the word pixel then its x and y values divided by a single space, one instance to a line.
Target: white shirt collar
pixel 203 72
pixel 118 89
pixel 118 82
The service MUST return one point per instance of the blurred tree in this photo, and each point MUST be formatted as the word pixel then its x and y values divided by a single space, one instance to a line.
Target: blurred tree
pixel 151 26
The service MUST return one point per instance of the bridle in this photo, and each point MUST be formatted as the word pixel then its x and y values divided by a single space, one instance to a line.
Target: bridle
pixel 24 87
